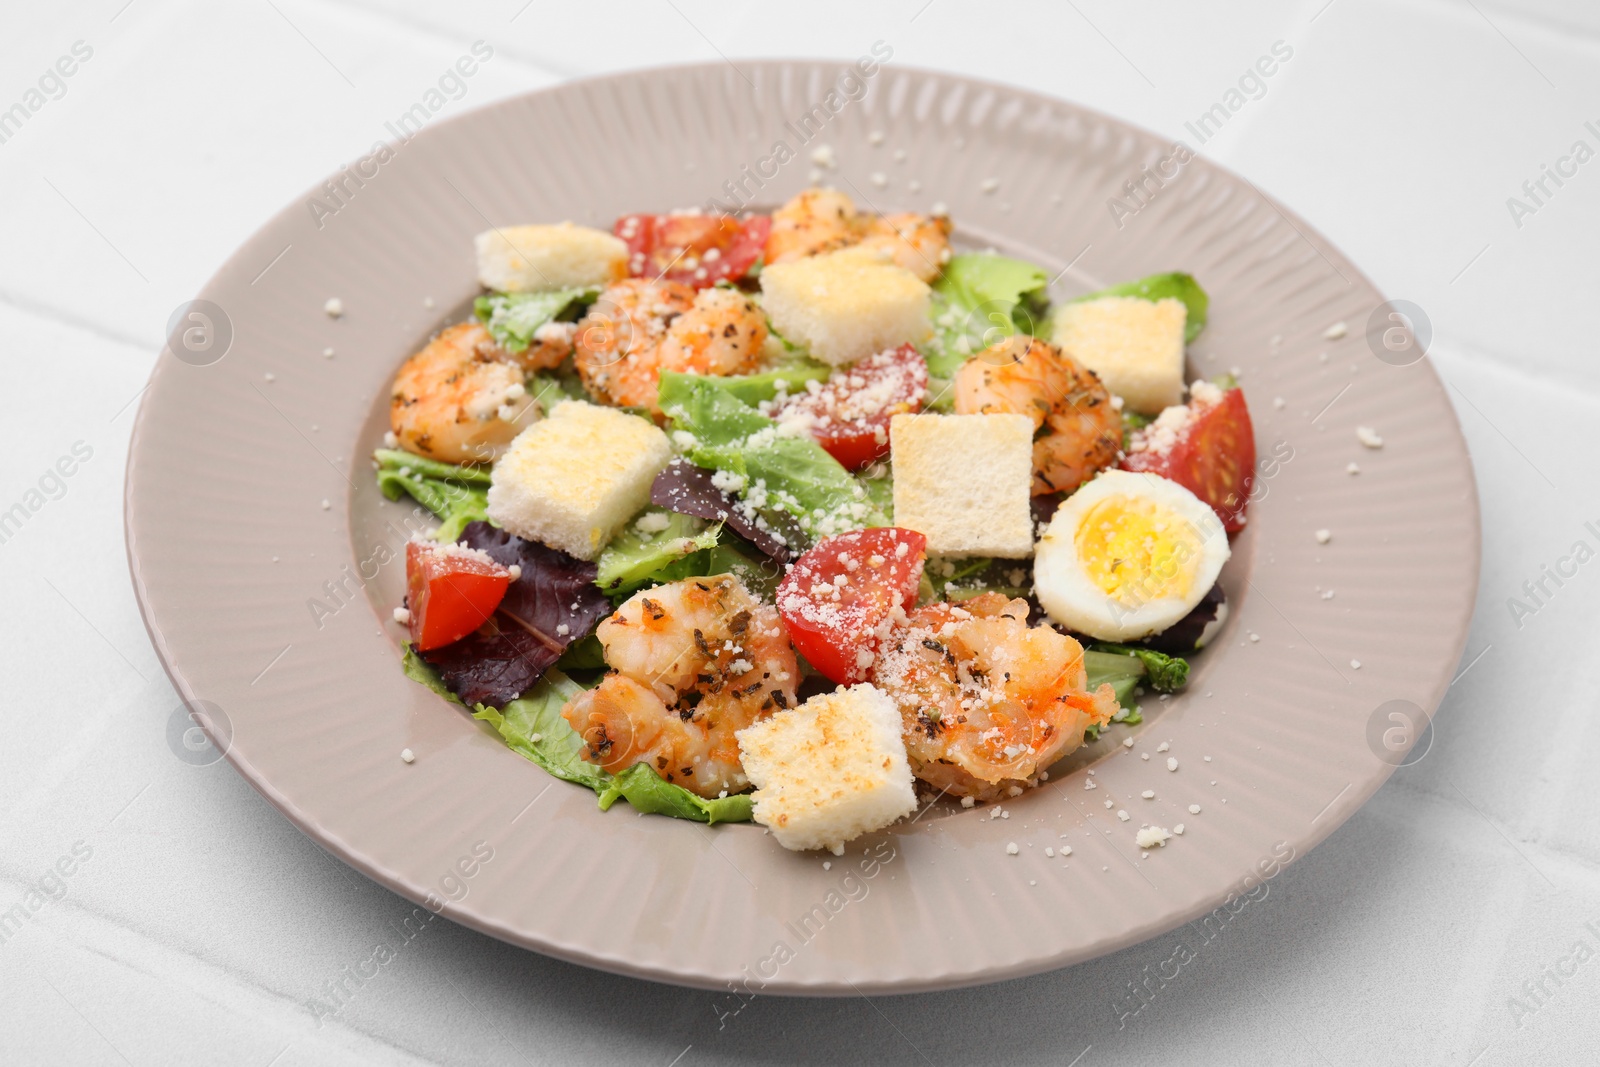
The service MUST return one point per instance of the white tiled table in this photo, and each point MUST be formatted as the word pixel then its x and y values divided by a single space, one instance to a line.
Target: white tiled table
pixel 201 923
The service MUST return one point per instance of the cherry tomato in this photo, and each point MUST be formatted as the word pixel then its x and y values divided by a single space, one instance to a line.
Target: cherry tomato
pixel 697 250
pixel 836 596
pixel 449 592
pixel 1214 457
pixel 849 413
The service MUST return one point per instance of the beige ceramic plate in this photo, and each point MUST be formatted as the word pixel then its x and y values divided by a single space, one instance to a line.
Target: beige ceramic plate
pixel 265 559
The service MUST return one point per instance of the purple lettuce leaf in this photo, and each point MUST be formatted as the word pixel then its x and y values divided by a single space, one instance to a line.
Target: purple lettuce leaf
pixel 688 490
pixel 553 603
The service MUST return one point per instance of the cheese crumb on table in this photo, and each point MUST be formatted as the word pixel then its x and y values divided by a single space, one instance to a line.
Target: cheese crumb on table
pixel 1151 837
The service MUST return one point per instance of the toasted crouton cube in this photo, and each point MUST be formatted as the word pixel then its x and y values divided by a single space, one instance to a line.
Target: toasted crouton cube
pixel 829 770
pixel 1134 345
pixel 963 482
pixel 845 305
pixel 530 259
pixel 573 479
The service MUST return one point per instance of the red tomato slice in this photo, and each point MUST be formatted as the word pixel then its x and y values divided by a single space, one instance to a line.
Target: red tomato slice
pixel 849 413
pixel 696 250
pixel 450 592
pixel 836 596
pixel 1214 457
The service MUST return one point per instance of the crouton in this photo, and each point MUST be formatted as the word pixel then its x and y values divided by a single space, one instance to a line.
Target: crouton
pixel 1134 345
pixel 963 482
pixel 574 478
pixel 529 259
pixel 829 770
pixel 847 304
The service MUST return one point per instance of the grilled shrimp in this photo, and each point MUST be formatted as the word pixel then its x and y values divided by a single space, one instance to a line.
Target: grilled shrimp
pixel 986 701
pixel 461 399
pixel 919 243
pixel 1023 375
pixel 825 220
pixel 639 328
pixel 693 662
pixel 813 222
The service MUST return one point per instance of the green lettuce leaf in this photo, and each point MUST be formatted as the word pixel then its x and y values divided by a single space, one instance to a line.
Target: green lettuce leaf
pixel 1166 674
pixel 537 714
pixel 512 318
pixel 549 388
pixel 533 727
pixel 791 475
pixel 647 791
pixel 1175 284
pixel 634 559
pixel 980 299
pixel 792 374
pixel 457 495
pixel 1123 673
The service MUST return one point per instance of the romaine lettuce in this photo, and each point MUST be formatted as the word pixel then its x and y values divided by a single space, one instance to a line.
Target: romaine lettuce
pixel 770 471
pixel 980 299
pixel 457 495
pixel 1165 674
pixel 792 374
pixel 533 727
pixel 635 558
pixel 512 318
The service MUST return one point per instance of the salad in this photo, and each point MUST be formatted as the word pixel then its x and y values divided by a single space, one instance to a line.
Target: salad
pixel 805 518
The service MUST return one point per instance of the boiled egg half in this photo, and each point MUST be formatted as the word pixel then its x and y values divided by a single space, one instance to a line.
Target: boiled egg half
pixel 1128 555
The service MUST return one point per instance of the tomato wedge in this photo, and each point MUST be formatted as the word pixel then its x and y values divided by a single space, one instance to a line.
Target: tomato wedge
pixel 450 592
pixel 849 413
pixel 696 250
pixel 1212 454
pixel 837 595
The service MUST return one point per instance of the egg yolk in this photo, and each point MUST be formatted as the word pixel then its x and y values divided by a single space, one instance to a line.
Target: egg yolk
pixel 1137 551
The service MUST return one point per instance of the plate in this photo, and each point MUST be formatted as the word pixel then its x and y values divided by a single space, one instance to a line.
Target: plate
pixel 267 565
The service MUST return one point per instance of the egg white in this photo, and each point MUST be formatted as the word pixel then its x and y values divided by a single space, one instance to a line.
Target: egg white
pixel 1073 599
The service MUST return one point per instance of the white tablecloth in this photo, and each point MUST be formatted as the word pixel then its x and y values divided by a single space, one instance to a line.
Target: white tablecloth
pixel 1455 919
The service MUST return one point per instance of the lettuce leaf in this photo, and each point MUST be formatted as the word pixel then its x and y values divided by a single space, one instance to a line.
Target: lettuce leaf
pixel 538 715
pixel 512 318
pixel 975 576
pixel 774 472
pixel 1175 284
pixel 1123 673
pixel 532 726
pixel 979 299
pixel 634 559
pixel 792 374
pixel 1164 673
pixel 690 489
pixel 646 791
pixel 457 495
